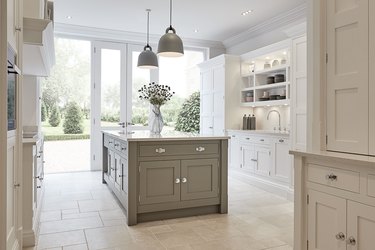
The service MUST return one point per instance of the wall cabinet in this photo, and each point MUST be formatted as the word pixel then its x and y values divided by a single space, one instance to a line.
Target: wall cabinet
pixel 14 22
pixel 219 95
pixel 349 29
pixel 264 158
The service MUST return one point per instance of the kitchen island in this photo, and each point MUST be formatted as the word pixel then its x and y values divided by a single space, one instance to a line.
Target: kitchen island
pixel 166 176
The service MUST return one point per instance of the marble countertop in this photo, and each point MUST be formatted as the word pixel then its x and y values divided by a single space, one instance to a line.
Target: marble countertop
pixel 144 135
pixel 336 156
pixel 260 132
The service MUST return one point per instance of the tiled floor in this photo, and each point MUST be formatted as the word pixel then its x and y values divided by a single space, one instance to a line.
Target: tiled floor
pixel 80 213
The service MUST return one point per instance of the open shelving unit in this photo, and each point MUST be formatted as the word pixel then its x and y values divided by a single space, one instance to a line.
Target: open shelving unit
pixel 254 74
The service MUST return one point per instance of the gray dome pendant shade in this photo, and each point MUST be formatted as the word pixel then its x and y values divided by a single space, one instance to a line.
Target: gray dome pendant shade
pixel 148 59
pixel 170 44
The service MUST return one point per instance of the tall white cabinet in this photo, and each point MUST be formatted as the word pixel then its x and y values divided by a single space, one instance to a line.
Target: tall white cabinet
pixel 350 80
pixel 220 98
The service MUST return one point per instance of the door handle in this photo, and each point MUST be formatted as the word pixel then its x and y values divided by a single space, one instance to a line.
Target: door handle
pixel 254 160
pixel 160 150
pixel 340 236
pixel 200 149
pixel 351 241
pixel 177 181
pixel 184 180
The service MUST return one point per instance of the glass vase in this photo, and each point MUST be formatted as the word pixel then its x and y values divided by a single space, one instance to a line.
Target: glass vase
pixel 156 120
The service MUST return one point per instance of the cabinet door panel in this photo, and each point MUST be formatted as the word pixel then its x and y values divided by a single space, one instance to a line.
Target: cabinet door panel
pixel 347 76
pixel 207 81
pixel 372 79
pixel 263 157
pixel 235 152
pixel 207 126
pixel 282 161
pixel 326 218
pixel 202 179
pixel 158 182
pixel 248 157
pixel 361 225
pixel 118 172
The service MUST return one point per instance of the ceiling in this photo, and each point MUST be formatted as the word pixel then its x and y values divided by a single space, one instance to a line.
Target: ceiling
pixel 215 20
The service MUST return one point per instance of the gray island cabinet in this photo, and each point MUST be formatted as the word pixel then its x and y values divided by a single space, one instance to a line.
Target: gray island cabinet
pixel 167 176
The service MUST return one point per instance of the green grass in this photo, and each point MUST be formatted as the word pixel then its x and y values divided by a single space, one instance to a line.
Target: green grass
pixel 57 133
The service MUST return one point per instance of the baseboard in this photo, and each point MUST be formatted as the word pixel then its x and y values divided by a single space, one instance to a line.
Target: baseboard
pixel 28 238
pixel 269 186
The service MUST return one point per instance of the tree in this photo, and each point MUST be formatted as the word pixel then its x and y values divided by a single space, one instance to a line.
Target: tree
pixel 73 119
pixel 43 113
pixel 188 118
pixel 55 117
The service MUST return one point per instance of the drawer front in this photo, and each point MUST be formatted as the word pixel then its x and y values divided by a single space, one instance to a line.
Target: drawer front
pixel 184 149
pixel 117 145
pixel 111 142
pixel 334 177
pixel 255 139
pixel 124 149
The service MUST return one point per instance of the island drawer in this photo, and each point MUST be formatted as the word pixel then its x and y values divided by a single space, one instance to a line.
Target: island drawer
pixel 108 141
pixel 179 149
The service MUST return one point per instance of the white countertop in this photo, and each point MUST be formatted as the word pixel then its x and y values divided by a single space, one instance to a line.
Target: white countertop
pixel 336 156
pixel 260 132
pixel 144 135
pixel 35 139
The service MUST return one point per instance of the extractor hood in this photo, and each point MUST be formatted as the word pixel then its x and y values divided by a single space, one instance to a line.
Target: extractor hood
pixel 38 47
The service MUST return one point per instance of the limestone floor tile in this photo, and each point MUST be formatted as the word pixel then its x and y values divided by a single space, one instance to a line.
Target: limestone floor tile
pixel 281 221
pixel 70 225
pixel 46 241
pixel 70 197
pixel 97 205
pixel 59 205
pixel 112 214
pixel 107 237
pixel 179 238
pixel 285 247
pixel 80 215
pixel 70 211
pixel 160 229
pixel 116 222
pixel 50 216
pixel 76 247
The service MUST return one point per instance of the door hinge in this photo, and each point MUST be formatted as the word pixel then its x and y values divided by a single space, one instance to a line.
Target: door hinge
pixel 308 199
pixel 93 157
pixel 307 245
pixel 326 57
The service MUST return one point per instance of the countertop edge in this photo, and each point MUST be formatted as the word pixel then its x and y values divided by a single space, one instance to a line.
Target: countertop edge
pixel 258 132
pixel 187 138
pixel 335 156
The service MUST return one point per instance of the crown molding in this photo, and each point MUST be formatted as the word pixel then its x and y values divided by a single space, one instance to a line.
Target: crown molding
pixel 91 33
pixel 288 17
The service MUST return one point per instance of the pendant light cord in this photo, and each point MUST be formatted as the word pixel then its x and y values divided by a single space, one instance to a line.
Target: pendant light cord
pixel 170 13
pixel 148 26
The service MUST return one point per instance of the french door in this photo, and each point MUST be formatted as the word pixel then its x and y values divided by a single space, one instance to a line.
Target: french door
pixel 114 100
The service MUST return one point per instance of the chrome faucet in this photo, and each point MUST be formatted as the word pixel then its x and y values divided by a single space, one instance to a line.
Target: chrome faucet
pixel 268 117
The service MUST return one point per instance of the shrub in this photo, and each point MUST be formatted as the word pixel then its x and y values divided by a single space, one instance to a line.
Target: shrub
pixel 73 119
pixel 43 112
pixel 55 117
pixel 188 118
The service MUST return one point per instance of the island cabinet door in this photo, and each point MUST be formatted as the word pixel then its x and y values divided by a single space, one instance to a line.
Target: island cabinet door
pixel 159 182
pixel 118 172
pixel 199 179
pixel 111 164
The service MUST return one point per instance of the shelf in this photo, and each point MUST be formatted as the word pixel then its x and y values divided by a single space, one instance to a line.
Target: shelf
pixel 267 71
pixel 267 86
pixel 285 102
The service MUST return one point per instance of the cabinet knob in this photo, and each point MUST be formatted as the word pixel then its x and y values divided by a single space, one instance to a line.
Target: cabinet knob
pixel 331 177
pixel 351 241
pixel 160 150
pixel 17 185
pixel 200 149
pixel 340 236
pixel 281 140
pixel 177 181
pixel 184 180
pixel 38 186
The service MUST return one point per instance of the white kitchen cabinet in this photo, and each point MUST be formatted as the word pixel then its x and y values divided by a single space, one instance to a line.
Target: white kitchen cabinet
pixel 262 160
pixel 298 89
pixel 348 76
pixel 282 160
pixel 13 25
pixel 248 158
pixel 234 151
pixel 219 95
pixel 326 220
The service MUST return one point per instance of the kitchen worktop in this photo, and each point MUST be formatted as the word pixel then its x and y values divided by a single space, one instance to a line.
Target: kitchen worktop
pixel 256 132
pixel 327 155
pixel 171 135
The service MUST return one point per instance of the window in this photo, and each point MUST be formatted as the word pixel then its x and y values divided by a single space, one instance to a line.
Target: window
pixel 183 76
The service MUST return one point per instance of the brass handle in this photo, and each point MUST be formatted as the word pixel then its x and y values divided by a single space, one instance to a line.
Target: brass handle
pixel 160 150
pixel 184 180
pixel 340 236
pixel 351 241
pixel 177 181
pixel 200 149
pixel 332 177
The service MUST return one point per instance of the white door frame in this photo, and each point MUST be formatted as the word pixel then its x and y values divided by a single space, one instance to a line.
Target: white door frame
pixel 96 137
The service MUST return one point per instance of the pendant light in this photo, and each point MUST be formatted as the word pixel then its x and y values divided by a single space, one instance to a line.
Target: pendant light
pixel 148 59
pixel 170 44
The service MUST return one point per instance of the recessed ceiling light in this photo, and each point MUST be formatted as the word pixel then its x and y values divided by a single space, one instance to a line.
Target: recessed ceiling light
pixel 267 58
pixel 252 61
pixel 284 52
pixel 246 12
pixel 196 30
pixel 68 17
